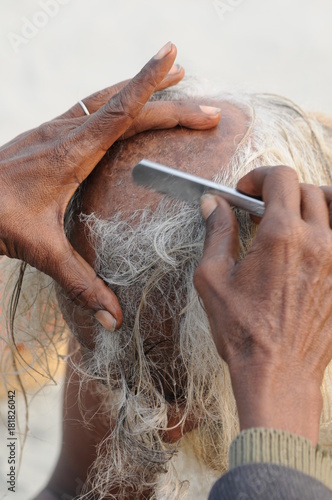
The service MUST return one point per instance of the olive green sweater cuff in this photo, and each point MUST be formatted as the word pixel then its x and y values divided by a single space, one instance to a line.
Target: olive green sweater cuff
pixel 282 448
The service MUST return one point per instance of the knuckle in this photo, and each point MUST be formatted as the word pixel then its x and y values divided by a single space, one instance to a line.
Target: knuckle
pixel 46 131
pixel 80 286
pixel 178 107
pixel 168 112
pixel 320 245
pixel 311 187
pixel 128 102
pixel 79 293
pixel 310 191
pixel 144 79
pixel 283 173
pixel 119 107
pixel 58 156
pixel 284 180
pixel 77 290
pixel 283 228
pixel 102 96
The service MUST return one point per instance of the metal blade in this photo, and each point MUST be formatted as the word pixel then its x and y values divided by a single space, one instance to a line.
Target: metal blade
pixel 190 188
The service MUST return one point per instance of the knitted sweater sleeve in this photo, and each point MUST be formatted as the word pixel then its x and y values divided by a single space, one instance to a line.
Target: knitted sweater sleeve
pixel 275 465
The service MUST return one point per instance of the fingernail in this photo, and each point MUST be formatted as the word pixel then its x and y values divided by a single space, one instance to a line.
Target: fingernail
pixel 210 110
pixel 106 320
pixel 164 51
pixel 208 205
pixel 176 68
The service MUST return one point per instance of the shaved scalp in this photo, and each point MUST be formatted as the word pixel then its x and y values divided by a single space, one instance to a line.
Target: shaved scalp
pixel 163 359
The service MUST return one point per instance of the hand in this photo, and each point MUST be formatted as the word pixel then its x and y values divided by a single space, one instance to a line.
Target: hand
pixel 41 169
pixel 271 313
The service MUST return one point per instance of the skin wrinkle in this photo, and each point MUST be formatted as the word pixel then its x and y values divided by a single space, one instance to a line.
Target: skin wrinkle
pixel 179 148
pixel 240 144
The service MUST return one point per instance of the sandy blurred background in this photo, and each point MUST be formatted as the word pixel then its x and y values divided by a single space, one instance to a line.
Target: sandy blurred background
pixel 54 52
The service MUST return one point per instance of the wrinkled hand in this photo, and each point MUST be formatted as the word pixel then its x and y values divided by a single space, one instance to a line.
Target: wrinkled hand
pixel 41 169
pixel 271 313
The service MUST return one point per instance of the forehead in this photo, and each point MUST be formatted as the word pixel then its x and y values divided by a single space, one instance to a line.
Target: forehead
pixel 110 188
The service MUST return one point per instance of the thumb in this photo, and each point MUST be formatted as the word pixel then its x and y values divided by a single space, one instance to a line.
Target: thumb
pixel 221 249
pixel 221 239
pixel 83 287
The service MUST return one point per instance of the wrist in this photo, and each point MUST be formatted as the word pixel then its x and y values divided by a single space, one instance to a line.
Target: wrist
pixel 266 398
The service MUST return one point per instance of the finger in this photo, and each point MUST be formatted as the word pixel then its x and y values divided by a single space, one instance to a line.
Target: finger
pixel 83 286
pixel 164 115
pixel 174 76
pixel 222 232
pixel 110 122
pixel 313 205
pixel 278 186
pixel 327 190
pixel 98 99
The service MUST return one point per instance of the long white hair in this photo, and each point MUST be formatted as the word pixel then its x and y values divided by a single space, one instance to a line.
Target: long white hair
pixel 149 260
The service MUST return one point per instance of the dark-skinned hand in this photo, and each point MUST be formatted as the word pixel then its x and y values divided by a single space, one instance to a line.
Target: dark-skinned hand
pixel 271 313
pixel 41 169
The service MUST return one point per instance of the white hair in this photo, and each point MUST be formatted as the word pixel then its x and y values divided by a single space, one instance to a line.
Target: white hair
pixel 149 260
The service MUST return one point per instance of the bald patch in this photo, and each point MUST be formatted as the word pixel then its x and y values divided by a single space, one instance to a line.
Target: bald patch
pixel 110 188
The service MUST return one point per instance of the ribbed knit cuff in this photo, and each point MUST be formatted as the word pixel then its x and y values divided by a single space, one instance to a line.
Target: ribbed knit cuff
pixel 282 448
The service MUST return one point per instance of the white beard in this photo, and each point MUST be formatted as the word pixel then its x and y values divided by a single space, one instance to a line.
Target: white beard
pixel 190 468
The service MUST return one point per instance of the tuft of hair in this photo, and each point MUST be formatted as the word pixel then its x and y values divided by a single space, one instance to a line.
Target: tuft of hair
pixel 131 368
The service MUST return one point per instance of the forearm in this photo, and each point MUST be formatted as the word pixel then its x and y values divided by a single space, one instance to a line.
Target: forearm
pixel 279 422
pixel 265 400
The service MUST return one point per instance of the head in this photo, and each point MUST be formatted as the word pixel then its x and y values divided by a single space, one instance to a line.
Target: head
pixel 160 372
pixel 161 369
pixel 146 248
